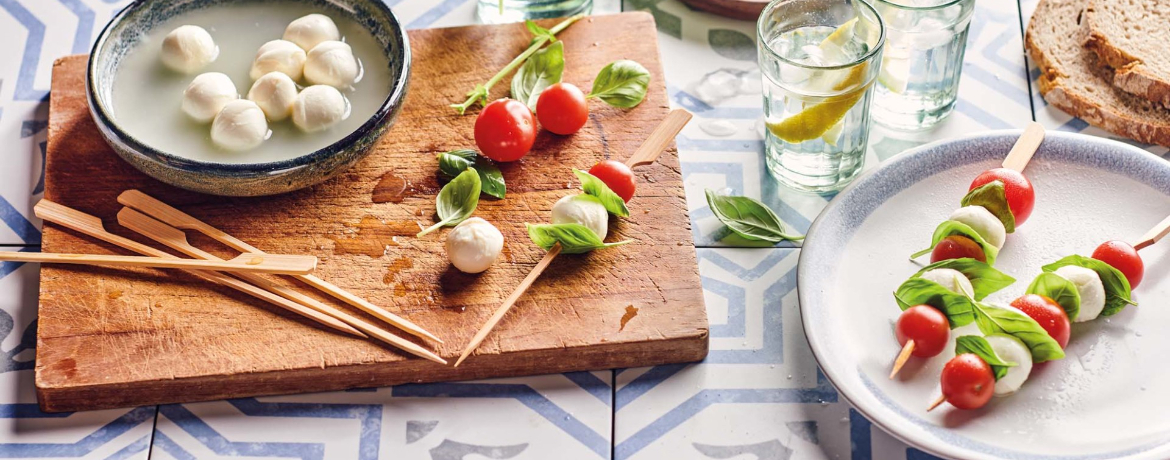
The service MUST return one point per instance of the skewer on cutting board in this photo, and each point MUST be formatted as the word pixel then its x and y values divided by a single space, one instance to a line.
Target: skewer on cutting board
pixel 181 220
pixel 646 154
pixel 244 263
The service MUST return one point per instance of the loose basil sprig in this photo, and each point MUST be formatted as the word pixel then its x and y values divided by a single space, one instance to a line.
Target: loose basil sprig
pixel 574 238
pixel 1117 290
pixel 453 163
pixel 1060 290
pixel 980 347
pixel 592 185
pixel 984 278
pixel 993 197
pixel 457 200
pixel 749 218
pixel 952 227
pixel 622 84
pixel 957 306
pixel 993 319
pixel 540 71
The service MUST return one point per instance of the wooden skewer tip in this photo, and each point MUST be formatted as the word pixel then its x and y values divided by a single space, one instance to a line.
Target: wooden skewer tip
pixel 937 402
pixel 902 358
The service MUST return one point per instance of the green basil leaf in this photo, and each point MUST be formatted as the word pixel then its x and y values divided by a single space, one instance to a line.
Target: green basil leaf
pixel 453 163
pixel 749 218
pixel 491 179
pixel 993 319
pixel 951 227
pixel 592 185
pixel 984 278
pixel 980 347
pixel 457 200
pixel 622 84
pixel 993 197
pixel 574 238
pixel 543 69
pixel 917 291
pixel 538 31
pixel 1117 291
pixel 1060 290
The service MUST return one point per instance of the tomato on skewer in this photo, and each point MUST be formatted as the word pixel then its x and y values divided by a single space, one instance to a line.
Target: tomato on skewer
pixel 1048 314
pixel 1124 258
pixel 926 326
pixel 617 176
pixel 957 247
pixel 1020 195
pixel 967 382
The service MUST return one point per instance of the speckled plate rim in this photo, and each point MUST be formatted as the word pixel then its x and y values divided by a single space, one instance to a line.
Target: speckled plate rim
pixel 839 221
pixel 99 110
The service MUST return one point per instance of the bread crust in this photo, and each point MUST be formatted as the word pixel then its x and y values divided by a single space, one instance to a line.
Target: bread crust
pixel 1129 72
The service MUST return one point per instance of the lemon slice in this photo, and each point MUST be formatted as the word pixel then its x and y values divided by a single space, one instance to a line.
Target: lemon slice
pixel 815 121
pixel 895 74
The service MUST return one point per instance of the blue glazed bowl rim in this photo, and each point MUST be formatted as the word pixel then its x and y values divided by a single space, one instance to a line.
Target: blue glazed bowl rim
pixel 100 113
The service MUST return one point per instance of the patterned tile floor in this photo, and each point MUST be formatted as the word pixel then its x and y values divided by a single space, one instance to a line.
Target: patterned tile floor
pixel 759 395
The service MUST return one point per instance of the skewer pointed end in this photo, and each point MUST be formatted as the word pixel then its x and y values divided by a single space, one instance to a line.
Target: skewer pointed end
pixel 941 399
pixel 463 356
pixel 902 358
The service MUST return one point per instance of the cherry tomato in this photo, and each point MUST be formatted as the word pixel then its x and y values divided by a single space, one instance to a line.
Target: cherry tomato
pixel 617 176
pixel 1048 313
pixel 1124 258
pixel 505 130
pixel 927 326
pixel 967 381
pixel 561 109
pixel 957 247
pixel 1020 196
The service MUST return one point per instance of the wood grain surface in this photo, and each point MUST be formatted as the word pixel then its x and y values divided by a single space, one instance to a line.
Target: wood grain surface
pixel 123 337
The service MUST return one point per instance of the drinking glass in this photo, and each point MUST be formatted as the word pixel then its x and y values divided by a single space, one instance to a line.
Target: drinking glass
pixel 818 59
pixel 490 12
pixel 922 62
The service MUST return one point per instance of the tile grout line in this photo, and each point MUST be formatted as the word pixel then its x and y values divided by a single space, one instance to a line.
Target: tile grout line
pixel 153 430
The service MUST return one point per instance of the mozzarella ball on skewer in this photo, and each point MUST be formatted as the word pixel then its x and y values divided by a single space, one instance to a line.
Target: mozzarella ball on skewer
pixel 1089 286
pixel 239 126
pixel 582 209
pixel 982 221
pixel 951 279
pixel 1012 350
pixel 310 30
pixel 279 56
pixel 473 245
pixel 275 93
pixel 207 94
pixel 188 48
pixel 331 63
pixel 319 107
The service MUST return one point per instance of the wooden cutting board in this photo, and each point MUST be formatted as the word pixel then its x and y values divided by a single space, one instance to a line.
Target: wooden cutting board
pixel 126 337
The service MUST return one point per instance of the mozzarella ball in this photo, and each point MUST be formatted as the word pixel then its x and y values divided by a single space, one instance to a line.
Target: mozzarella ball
pixel 951 279
pixel 1089 286
pixel 319 107
pixel 983 222
pixel 274 93
pixel 207 94
pixel 473 245
pixel 331 63
pixel 188 48
pixel 239 126
pixel 310 30
pixel 1011 350
pixel 279 56
pixel 582 209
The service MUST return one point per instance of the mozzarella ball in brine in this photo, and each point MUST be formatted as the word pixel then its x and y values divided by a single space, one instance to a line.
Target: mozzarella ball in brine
pixel 331 63
pixel 239 126
pixel 275 93
pixel 319 107
pixel 1089 286
pixel 279 56
pixel 983 222
pixel 310 30
pixel 473 245
pixel 582 209
pixel 207 94
pixel 188 48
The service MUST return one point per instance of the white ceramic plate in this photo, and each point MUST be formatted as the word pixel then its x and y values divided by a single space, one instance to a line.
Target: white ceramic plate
pixel 1108 399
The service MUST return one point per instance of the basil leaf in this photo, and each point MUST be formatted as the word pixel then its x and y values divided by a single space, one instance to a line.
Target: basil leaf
pixel 491 179
pixel 541 70
pixel 984 278
pixel 993 197
pixel 457 200
pixel 538 31
pixel 1117 290
pixel 574 238
pixel 993 319
pixel 622 84
pixel 592 185
pixel 951 227
pixel 980 347
pixel 1060 290
pixel 748 218
pixel 917 291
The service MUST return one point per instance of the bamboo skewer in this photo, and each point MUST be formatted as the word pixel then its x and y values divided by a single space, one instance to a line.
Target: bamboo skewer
pixel 1157 233
pixel 92 226
pixel 181 220
pixel 646 154
pixel 244 263
pixel 177 240
pixel 1017 159
pixel 937 402
pixel 903 356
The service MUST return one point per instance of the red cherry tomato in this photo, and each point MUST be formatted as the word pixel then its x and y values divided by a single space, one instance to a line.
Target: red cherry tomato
pixel 1048 313
pixel 1020 196
pixel 1124 258
pixel 561 109
pixel 927 326
pixel 967 381
pixel 505 130
pixel 617 176
pixel 957 247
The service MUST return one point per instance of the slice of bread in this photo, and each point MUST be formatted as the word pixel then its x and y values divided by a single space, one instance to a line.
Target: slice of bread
pixel 1132 37
pixel 1074 81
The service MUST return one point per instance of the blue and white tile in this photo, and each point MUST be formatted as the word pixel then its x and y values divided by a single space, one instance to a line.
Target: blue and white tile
pixel 564 416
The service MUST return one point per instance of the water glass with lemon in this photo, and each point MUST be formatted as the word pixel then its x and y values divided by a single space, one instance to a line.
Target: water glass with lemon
pixel 922 61
pixel 819 60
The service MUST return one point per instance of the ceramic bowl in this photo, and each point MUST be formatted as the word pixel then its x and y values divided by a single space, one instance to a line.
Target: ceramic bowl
pixel 248 179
